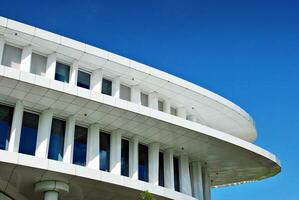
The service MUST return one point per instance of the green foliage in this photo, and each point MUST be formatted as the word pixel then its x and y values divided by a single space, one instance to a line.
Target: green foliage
pixel 146 196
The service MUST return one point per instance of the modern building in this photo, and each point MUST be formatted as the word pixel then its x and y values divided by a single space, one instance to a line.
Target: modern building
pixel 78 122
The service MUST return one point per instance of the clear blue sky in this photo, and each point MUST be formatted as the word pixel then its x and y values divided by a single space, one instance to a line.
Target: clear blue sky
pixel 245 50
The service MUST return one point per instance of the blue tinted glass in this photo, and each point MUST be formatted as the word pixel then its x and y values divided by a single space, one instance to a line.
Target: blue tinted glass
pixel 161 169
pixel 80 143
pixel 28 133
pixel 176 174
pixel 107 87
pixel 6 114
pixel 56 140
pixel 83 80
pixel 143 163
pixel 124 157
pixel 104 151
pixel 62 72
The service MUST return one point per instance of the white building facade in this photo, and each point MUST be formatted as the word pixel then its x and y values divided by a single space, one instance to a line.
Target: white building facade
pixel 78 122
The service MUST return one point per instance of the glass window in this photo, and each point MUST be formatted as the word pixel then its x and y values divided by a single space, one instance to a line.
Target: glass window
pixel 62 72
pixel 176 174
pixel 143 163
pixel 144 99
pixel 161 169
pixel 83 79
pixel 6 114
pixel 173 111
pixel 107 87
pixel 38 64
pixel 104 151
pixel 124 157
pixel 11 56
pixel 56 140
pixel 80 146
pixel 29 133
pixel 125 93
pixel 161 106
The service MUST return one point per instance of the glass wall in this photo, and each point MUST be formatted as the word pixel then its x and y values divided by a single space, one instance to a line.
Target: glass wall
pixel 161 106
pixel 6 114
pixel 143 162
pixel 104 151
pixel 124 157
pixel 144 99
pixel 57 140
pixel 176 174
pixel 80 146
pixel 125 93
pixel 29 133
pixel 38 64
pixel 83 79
pixel 107 87
pixel 161 169
pixel 173 111
pixel 11 56
pixel 62 72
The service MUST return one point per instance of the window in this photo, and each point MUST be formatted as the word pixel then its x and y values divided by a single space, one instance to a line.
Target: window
pixel 161 106
pixel 57 140
pixel 62 72
pixel 29 133
pixel 144 99
pixel 173 111
pixel 104 151
pixel 11 56
pixel 143 163
pixel 80 146
pixel 38 64
pixel 124 157
pixel 176 174
pixel 83 79
pixel 6 114
pixel 125 93
pixel 107 87
pixel 161 169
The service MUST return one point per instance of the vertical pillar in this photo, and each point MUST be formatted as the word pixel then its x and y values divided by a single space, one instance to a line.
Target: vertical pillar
pixel 16 126
pixel 93 147
pixel 185 181
pixel 115 152
pixel 51 189
pixel 69 139
pixel 167 106
pixel 133 158
pixel 43 133
pixel 51 66
pixel 153 100
pixel 116 87
pixel 168 169
pixel 74 73
pixel 182 112
pixel 197 180
pixel 153 165
pixel 2 42
pixel 26 58
pixel 96 80
pixel 136 98
pixel 206 184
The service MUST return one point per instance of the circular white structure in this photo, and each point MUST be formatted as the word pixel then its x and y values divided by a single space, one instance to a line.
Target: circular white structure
pixel 78 122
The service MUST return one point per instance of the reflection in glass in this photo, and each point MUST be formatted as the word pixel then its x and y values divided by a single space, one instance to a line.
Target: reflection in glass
pixel 6 114
pixel 161 169
pixel 57 140
pixel 124 157
pixel 143 162
pixel 176 174
pixel 107 87
pixel 80 146
pixel 62 72
pixel 83 80
pixel 104 151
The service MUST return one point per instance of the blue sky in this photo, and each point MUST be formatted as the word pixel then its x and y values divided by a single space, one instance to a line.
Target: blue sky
pixel 244 50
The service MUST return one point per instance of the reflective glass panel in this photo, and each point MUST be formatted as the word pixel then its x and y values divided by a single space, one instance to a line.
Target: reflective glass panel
pixel 107 87
pixel 176 174
pixel 11 56
pixel 144 99
pixel 161 169
pixel 125 93
pixel 104 151
pixel 62 72
pixel 80 146
pixel 173 111
pixel 124 157
pixel 6 114
pixel 38 64
pixel 83 80
pixel 57 140
pixel 143 162
pixel 161 106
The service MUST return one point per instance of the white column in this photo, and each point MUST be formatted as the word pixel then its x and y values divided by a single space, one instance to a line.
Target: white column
pixel 16 126
pixel 116 87
pixel 168 169
pixel 2 42
pixel 69 139
pixel 133 158
pixel 153 100
pixel 197 180
pixel 43 133
pixel 51 189
pixel 115 152
pixel 135 94
pixel 167 106
pixel 182 112
pixel 96 80
pixel 153 164
pixel 51 66
pixel 93 147
pixel 185 181
pixel 74 73
pixel 51 195
pixel 26 58
pixel 206 184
